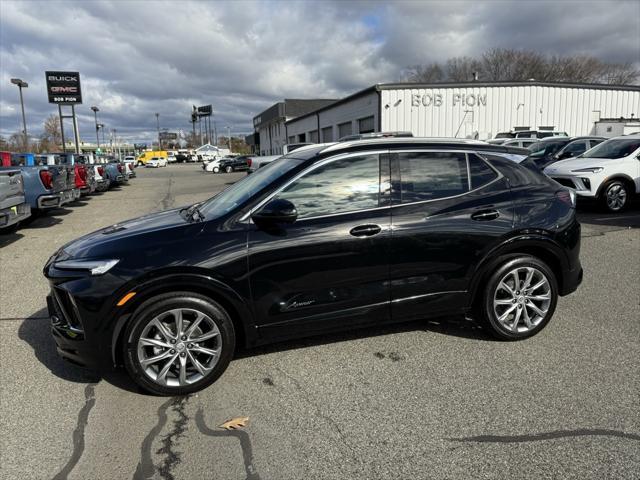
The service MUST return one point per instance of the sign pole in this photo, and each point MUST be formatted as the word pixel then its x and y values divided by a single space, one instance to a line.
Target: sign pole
pixel 64 146
pixel 75 128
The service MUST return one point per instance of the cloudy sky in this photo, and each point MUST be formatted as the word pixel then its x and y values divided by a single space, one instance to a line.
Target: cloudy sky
pixel 137 58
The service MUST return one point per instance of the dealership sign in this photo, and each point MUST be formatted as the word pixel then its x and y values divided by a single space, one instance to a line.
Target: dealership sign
pixel 437 100
pixel 205 111
pixel 64 87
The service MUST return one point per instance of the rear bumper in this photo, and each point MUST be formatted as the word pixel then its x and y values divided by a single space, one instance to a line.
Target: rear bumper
pixel 12 215
pixel 70 196
pixel 47 202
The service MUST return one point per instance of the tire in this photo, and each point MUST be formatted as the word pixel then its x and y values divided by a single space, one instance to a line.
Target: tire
pixel 215 170
pixel 498 301
pixel 228 169
pixel 615 196
pixel 140 164
pixel 215 326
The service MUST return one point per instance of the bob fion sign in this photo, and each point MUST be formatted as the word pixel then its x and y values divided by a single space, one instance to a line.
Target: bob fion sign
pixel 64 87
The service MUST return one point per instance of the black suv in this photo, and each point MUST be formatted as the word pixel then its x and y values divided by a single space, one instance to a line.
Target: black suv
pixel 234 164
pixel 329 237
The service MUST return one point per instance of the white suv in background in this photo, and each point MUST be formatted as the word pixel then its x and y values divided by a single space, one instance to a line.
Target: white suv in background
pixel 609 172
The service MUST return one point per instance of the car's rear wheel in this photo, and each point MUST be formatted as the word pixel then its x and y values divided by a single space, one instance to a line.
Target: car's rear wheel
pixel 519 299
pixel 178 343
pixel 615 195
pixel 228 169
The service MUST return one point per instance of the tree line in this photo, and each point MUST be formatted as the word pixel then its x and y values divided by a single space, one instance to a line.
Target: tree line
pixel 503 64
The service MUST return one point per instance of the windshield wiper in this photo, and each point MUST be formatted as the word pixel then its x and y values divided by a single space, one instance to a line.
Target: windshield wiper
pixel 192 213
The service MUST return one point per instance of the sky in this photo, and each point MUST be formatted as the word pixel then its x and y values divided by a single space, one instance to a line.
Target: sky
pixel 139 58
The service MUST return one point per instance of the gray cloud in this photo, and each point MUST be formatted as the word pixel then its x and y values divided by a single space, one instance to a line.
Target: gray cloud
pixel 138 58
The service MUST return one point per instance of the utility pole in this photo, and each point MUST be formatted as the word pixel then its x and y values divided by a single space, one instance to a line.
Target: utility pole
pixel 158 125
pixel 22 84
pixel 95 116
pixel 229 136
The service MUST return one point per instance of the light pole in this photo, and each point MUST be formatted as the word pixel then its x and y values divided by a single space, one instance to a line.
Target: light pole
pixel 95 116
pixel 22 84
pixel 229 136
pixel 158 125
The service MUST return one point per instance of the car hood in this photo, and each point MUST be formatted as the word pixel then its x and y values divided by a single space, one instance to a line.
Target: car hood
pixel 136 234
pixel 570 164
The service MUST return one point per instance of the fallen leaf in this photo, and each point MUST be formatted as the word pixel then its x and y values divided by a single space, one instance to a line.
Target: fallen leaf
pixel 235 423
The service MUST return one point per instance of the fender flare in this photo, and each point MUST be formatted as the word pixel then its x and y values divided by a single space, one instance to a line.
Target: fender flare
pixel 617 176
pixel 526 241
pixel 199 282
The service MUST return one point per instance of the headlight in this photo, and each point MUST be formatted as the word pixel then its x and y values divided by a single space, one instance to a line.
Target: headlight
pixel 96 267
pixel 589 170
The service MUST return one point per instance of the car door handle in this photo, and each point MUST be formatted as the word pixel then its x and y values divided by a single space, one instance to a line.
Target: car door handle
pixel 483 215
pixel 367 230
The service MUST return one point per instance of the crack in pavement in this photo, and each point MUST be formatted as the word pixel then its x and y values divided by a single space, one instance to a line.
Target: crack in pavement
pixel 327 418
pixel 241 435
pixel 78 433
pixel 537 437
pixel 146 468
pixel 168 200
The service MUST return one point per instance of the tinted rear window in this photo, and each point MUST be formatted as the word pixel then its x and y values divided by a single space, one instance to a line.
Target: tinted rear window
pixel 480 172
pixel 432 175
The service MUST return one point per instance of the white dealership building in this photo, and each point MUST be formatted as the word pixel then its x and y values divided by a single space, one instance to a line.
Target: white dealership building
pixel 467 110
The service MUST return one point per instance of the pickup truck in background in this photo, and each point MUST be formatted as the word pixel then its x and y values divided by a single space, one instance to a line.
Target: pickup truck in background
pixel 114 172
pixel 85 175
pixel 13 206
pixel 45 186
pixel 54 159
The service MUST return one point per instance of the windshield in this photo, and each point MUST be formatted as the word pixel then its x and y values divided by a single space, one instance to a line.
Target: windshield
pixel 547 147
pixel 614 148
pixel 240 192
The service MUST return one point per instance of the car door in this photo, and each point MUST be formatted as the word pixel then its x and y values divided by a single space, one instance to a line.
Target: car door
pixel 329 269
pixel 449 209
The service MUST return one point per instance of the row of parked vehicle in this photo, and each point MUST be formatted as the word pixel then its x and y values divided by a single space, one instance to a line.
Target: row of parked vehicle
pixel 36 183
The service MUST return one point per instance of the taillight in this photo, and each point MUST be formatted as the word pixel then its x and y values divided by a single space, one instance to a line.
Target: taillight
pixel 47 179
pixel 120 168
pixel 101 171
pixel 83 173
pixel 248 162
pixel 567 196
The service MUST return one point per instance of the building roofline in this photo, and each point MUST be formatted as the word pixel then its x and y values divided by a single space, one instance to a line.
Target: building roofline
pixel 410 85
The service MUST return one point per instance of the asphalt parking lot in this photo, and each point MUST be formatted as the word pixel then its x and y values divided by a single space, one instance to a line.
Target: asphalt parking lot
pixel 423 400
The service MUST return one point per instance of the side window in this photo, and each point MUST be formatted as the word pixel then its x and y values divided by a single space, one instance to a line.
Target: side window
pixel 595 142
pixel 576 147
pixel 432 175
pixel 345 185
pixel 480 172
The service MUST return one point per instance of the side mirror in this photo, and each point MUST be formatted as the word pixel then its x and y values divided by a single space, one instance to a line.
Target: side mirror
pixel 274 212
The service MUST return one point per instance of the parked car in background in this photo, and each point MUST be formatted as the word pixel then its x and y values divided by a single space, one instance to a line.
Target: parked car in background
pixel 608 173
pixel 235 164
pixel 548 150
pixel 145 156
pixel 45 186
pixel 13 205
pixel 538 134
pixel 519 142
pixel 577 146
pixel 156 162
pixel 265 259
pixel 114 173
pixel 498 141
pixel 211 165
pixel 171 158
pixel 84 172
pixel 255 163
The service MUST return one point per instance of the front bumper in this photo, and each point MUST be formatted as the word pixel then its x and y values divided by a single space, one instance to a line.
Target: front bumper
pixel 12 215
pixel 582 185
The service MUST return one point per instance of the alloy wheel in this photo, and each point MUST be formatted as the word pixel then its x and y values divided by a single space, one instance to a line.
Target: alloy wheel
pixel 522 299
pixel 179 347
pixel 616 196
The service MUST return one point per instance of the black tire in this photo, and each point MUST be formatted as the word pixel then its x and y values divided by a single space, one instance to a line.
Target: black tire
pixel 487 313
pixel 228 169
pixel 155 306
pixel 620 192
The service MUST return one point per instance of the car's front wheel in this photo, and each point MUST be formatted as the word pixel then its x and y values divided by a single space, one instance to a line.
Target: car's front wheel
pixel 519 299
pixel 178 343
pixel 215 170
pixel 614 196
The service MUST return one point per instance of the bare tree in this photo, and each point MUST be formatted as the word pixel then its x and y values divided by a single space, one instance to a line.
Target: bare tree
pixel 503 64
pixel 51 138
